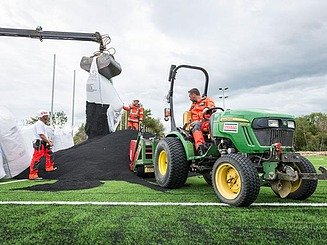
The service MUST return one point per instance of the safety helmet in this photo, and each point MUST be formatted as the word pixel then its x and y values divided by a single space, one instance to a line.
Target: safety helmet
pixel 42 113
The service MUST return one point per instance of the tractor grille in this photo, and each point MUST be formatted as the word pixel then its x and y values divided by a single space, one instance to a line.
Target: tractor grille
pixel 268 136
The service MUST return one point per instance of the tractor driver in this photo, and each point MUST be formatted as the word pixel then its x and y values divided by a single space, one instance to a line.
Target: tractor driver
pixel 199 120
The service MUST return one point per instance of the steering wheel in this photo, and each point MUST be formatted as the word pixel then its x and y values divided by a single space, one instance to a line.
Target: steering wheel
pixel 213 109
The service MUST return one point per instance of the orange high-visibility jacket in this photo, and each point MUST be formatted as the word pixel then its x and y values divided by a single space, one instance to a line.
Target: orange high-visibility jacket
pixel 135 113
pixel 198 107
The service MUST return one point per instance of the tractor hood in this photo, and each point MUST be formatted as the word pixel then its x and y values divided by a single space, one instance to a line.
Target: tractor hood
pixel 253 130
pixel 247 115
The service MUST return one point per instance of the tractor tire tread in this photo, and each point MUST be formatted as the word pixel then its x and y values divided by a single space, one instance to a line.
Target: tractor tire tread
pixel 250 183
pixel 179 168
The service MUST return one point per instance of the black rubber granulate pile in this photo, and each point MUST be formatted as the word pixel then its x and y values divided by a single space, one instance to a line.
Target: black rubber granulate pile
pixel 87 164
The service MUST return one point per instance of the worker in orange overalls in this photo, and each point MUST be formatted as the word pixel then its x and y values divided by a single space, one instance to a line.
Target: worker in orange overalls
pixel 42 147
pixel 199 118
pixel 135 116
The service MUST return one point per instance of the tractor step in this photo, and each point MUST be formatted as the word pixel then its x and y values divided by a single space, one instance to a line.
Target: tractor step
pixel 148 169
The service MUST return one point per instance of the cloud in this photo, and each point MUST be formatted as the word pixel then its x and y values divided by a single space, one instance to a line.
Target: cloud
pixel 269 54
pixel 300 96
pixel 248 44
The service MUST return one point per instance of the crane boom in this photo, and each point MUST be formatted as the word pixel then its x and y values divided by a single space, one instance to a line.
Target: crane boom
pixel 106 63
pixel 38 33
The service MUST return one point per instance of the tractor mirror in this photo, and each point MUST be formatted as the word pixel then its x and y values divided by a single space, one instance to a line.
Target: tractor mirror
pixel 171 73
pixel 167 114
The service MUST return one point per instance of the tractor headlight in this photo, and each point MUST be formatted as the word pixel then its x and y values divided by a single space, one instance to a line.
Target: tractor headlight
pixel 273 123
pixel 290 124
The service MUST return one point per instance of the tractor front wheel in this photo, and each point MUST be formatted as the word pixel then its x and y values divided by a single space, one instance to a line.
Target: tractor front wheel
pixel 170 165
pixel 235 180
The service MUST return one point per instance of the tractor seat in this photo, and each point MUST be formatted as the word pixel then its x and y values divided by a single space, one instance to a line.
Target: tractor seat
pixel 187 125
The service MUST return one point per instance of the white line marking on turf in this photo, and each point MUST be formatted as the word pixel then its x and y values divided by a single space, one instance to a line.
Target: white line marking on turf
pixel 14 181
pixel 273 204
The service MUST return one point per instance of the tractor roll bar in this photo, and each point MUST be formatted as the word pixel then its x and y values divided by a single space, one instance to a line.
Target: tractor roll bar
pixel 171 79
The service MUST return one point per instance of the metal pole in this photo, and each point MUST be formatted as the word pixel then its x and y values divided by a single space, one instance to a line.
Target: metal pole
pixel 53 82
pixel 223 97
pixel 73 106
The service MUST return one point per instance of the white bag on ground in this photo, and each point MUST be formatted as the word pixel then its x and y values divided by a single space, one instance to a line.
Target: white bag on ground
pixel 100 90
pixel 28 136
pixel 16 158
pixel 62 139
pixel 2 170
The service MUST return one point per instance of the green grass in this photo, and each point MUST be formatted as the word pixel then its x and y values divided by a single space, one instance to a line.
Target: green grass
pixel 59 224
pixel 161 225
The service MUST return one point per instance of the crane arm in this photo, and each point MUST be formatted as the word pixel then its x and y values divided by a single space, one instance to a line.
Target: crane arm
pixel 107 65
pixel 39 34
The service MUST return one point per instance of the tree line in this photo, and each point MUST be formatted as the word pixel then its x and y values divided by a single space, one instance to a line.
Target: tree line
pixel 311 132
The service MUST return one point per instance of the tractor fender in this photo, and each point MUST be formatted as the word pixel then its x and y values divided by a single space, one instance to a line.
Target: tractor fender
pixel 187 144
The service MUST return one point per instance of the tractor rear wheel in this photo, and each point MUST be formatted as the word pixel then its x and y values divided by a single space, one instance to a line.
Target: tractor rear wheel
pixel 170 165
pixel 235 180
pixel 303 188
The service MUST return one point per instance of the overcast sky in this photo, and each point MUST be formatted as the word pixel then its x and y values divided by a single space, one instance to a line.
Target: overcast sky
pixel 270 54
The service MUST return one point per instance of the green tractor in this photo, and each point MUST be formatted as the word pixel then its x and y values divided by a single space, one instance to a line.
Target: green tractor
pixel 246 149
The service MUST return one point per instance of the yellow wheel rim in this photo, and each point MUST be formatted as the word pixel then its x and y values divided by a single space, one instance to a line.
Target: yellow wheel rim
pixel 163 163
pixel 296 184
pixel 228 181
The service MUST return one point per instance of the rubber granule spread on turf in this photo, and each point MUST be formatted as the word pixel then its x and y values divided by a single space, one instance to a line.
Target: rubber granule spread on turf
pixel 87 164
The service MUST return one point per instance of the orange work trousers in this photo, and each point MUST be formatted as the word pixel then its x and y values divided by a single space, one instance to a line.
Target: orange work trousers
pixel 133 125
pixel 198 128
pixel 40 151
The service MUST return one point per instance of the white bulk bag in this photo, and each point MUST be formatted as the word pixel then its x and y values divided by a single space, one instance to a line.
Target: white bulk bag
pixel 2 170
pixel 100 90
pixel 28 136
pixel 62 139
pixel 12 144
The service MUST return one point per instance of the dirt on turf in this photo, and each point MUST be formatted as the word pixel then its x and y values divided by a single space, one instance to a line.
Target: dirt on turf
pixel 87 164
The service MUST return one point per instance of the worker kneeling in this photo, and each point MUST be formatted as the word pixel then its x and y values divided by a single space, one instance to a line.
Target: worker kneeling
pixel 199 118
